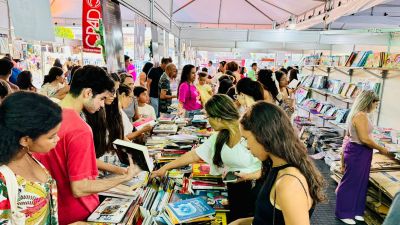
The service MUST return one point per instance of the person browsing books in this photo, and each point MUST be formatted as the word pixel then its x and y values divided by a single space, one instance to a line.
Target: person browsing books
pixel 164 88
pixel 271 93
pixel 107 126
pixel 356 159
pixel 145 110
pixel 132 109
pixel 21 135
pixel 125 98
pixel 248 92
pixel 287 169
pixel 153 80
pixel 189 96
pixel 225 151
pixel 204 89
pixel 72 162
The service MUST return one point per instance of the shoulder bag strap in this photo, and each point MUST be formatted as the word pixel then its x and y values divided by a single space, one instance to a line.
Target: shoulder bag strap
pixel 17 218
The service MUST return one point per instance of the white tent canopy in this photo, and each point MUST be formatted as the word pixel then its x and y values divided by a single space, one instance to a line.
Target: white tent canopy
pixel 246 24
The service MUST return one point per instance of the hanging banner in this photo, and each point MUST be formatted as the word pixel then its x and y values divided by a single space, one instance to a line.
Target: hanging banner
pixel 92 30
pixel 31 19
pixel 114 41
pixel 139 35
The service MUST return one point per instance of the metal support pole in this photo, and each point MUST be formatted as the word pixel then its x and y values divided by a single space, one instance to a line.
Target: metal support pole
pixel 10 38
pixel 384 76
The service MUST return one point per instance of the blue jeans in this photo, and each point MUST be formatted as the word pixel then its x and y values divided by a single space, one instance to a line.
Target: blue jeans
pixel 393 217
pixel 154 103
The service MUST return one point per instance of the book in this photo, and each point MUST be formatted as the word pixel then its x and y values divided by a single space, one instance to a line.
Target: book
pixel 111 210
pixel 190 209
pixel 200 169
pixel 139 124
pixel 350 60
pixel 294 84
pixel 357 59
pixel 392 61
pixel 166 118
pixel 351 90
pixel 215 198
pixel 345 89
pixel 199 119
pixel 139 153
pixel 165 129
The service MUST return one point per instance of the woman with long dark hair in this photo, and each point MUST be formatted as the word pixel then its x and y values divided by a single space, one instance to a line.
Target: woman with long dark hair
pixel 248 92
pixel 293 185
pixel 286 102
pixel 189 96
pixel 27 189
pixel 24 81
pixel 54 85
pixel 270 90
pixel 225 151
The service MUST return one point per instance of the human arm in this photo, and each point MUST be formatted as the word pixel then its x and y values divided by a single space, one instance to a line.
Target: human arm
pixel 136 114
pixel 87 187
pixel 110 168
pixel 295 207
pixel 163 95
pixel 361 123
pixel 149 83
pixel 186 159
pixel 249 176
pixel 243 221
pixel 137 133
pixel 142 79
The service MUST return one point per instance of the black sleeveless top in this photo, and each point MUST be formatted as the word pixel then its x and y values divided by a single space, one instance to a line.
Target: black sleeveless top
pixel 264 213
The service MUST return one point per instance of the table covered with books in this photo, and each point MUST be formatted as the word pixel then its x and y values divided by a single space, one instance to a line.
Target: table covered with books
pixel 185 195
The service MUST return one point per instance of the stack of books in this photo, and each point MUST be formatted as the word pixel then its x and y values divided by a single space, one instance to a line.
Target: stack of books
pixel 165 129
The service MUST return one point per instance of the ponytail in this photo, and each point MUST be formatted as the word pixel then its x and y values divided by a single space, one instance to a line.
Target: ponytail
pixel 222 138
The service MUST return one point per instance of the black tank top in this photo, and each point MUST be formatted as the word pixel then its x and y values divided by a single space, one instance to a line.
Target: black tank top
pixel 264 213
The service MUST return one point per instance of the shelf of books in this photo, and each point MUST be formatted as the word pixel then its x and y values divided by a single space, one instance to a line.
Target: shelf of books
pixel 326 93
pixel 185 195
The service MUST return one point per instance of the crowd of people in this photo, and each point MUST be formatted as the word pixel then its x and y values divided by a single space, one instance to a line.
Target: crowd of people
pixel 55 143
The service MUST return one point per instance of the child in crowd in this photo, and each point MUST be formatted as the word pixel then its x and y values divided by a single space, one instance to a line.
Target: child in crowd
pixel 204 89
pixel 142 96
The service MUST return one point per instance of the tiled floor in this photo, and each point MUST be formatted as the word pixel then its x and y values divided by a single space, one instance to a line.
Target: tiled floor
pixel 324 213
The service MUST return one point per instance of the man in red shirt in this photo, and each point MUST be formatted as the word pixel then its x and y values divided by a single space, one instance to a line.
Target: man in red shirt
pixel 73 161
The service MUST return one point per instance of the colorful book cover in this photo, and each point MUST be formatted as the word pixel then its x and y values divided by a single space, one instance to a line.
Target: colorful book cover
pixel 220 219
pixel 200 169
pixel 357 59
pixel 392 61
pixel 350 60
pixel 215 198
pixel 190 209
pixel 111 210
pixel 139 124
pixel 338 86
pixel 345 89
pixel 351 90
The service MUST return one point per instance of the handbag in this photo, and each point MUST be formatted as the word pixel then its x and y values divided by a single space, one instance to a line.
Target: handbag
pixel 17 217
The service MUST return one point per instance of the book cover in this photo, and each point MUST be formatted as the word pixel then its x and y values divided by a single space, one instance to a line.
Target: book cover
pixel 111 210
pixel 351 90
pixel 166 128
pixel 190 209
pixel 345 89
pixel 364 59
pixel 200 169
pixel 357 59
pixel 139 124
pixel 392 61
pixel 294 84
pixel 139 153
pixel 350 60
pixel 215 198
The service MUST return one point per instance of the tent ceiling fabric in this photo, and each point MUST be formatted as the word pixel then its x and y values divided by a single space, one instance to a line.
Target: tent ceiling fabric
pixel 239 11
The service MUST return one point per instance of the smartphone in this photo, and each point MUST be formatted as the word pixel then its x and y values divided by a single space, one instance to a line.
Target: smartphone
pixel 230 177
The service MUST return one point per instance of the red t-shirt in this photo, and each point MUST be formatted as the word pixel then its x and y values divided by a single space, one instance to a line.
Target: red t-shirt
pixel 73 159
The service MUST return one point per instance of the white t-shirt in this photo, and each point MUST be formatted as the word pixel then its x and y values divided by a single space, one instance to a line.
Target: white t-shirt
pixel 128 126
pixel 147 111
pixel 237 158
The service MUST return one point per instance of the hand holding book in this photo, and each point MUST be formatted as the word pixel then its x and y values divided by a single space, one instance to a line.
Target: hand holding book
pixel 133 169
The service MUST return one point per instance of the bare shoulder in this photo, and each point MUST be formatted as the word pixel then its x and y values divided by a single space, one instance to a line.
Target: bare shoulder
pixel 289 178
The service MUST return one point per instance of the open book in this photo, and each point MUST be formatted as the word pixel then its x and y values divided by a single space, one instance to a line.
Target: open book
pixel 139 153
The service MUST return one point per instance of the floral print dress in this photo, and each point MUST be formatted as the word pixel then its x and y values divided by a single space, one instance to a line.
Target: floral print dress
pixel 38 201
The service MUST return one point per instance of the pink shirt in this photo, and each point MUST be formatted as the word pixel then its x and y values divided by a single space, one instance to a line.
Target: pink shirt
pixel 189 96
pixel 132 71
pixel 73 159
